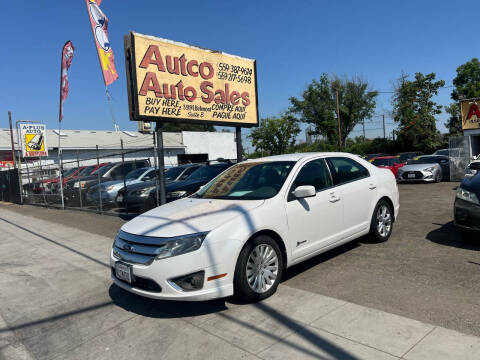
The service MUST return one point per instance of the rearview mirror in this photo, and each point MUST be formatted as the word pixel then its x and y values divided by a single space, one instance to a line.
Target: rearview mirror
pixel 304 191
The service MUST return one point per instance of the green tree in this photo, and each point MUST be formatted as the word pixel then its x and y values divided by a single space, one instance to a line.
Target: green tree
pixel 415 111
pixel 467 86
pixel 317 106
pixel 454 123
pixel 467 81
pixel 275 134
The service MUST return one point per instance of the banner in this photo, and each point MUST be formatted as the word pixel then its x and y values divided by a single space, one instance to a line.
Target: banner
pixel 175 82
pixel 470 114
pixel 99 23
pixel 67 57
pixel 34 140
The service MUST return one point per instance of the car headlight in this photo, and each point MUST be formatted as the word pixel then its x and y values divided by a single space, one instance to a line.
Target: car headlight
pixel 142 192
pixel 467 196
pixel 109 188
pixel 181 245
pixel 177 194
pixel 430 169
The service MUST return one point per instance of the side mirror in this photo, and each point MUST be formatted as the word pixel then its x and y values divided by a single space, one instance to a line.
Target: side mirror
pixel 304 191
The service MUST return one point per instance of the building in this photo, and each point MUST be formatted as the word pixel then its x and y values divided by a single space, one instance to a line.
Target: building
pixel 80 146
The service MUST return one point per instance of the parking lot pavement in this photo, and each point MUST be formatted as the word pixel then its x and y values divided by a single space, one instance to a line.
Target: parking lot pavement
pixel 57 301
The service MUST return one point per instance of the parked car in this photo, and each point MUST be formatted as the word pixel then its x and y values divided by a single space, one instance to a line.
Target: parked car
pixel 428 168
pixel 392 163
pixel 473 168
pixel 109 190
pixel 467 205
pixel 143 196
pixel 369 157
pixel 82 171
pixel 180 172
pixel 239 232
pixel 114 171
pixel 404 156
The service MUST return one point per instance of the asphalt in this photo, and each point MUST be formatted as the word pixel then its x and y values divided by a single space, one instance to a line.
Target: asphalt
pixel 400 299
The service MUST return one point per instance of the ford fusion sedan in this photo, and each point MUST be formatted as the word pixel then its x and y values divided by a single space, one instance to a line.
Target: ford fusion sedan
pixel 239 232
pixel 427 168
pixel 467 205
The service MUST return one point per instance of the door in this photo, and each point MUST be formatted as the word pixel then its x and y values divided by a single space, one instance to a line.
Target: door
pixel 358 192
pixel 314 222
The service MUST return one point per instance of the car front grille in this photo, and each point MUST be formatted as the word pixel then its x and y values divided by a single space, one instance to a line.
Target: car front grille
pixel 418 175
pixel 137 249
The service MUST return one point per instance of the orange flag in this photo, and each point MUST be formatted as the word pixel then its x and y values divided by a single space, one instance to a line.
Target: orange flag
pixel 99 22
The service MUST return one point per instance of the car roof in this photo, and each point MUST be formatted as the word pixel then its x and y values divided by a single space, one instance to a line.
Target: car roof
pixel 301 156
pixel 385 157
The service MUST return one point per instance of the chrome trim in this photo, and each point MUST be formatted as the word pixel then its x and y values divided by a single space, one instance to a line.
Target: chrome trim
pixel 136 248
pixel 132 258
pixel 152 240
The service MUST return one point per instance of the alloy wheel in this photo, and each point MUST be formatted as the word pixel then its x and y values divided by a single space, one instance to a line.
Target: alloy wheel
pixel 262 268
pixel 384 221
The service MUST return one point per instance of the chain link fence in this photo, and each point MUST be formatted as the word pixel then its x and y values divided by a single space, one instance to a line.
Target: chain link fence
pixel 459 154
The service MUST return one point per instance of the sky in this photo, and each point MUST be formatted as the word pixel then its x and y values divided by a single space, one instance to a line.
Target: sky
pixel 293 43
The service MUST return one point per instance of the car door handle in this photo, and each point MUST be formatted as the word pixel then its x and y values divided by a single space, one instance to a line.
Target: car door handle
pixel 372 186
pixel 333 198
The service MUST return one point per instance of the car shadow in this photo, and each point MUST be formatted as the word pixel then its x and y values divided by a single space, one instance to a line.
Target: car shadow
pixel 163 309
pixel 448 235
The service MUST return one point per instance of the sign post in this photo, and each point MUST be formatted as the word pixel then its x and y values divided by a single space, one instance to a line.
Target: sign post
pixel 169 81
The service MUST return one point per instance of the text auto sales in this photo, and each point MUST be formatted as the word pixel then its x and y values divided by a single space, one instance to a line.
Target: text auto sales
pixel 222 102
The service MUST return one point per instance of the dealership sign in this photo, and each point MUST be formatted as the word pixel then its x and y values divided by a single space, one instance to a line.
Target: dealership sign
pixel 34 140
pixel 170 81
pixel 470 114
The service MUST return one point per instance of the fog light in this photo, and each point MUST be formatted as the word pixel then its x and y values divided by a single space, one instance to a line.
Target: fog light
pixel 189 282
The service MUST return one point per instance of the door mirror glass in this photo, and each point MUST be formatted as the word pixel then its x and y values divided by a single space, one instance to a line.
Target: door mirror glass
pixel 304 191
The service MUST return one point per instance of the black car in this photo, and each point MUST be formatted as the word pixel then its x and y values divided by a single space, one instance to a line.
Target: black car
pixel 143 196
pixel 466 208
pixel 404 156
pixel 181 172
pixel 115 171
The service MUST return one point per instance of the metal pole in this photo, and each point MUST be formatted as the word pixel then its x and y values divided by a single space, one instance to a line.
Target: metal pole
pixel 161 162
pixel 20 162
pixel 124 180
pixel 238 139
pixel 157 183
pixel 338 120
pixel 98 177
pixel 11 139
pixel 79 187
pixel 384 134
pixel 43 185
pixel 60 165
pixel 363 124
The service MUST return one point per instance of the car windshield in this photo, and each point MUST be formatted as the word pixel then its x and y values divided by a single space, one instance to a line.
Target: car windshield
pixel 444 152
pixel 423 160
pixel 173 173
pixel 87 171
pixel 207 172
pixel 404 157
pixel 381 162
pixel 248 181
pixel 134 174
pixel 104 169
pixel 69 172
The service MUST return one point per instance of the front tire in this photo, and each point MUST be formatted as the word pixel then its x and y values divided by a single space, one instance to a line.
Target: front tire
pixel 382 222
pixel 259 269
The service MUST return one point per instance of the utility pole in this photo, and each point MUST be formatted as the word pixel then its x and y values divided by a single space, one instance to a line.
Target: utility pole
pixel 238 139
pixel 384 136
pixel 11 139
pixel 161 162
pixel 338 120
pixel 363 124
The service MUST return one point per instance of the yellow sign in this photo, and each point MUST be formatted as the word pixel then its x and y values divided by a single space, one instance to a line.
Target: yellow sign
pixel 470 114
pixel 170 81
pixel 33 140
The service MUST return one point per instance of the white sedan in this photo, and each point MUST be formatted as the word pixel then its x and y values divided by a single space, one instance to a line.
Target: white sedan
pixel 239 233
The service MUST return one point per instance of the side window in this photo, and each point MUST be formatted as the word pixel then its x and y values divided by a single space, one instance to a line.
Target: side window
pixel 395 161
pixel 347 170
pixel 314 173
pixel 149 176
pixel 187 172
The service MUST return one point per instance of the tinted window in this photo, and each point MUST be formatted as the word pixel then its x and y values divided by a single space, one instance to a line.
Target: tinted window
pixel 346 170
pixel 149 176
pixel 314 173
pixel 381 162
pixel 207 172
pixel 173 173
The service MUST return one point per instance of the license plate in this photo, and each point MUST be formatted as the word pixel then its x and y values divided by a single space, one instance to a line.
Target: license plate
pixel 411 176
pixel 119 198
pixel 123 272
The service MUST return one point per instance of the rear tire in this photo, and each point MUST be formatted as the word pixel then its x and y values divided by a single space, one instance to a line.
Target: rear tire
pixel 381 225
pixel 259 269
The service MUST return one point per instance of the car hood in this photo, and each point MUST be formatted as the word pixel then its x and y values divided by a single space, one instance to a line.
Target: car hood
pixel 472 184
pixel 188 216
pixel 413 167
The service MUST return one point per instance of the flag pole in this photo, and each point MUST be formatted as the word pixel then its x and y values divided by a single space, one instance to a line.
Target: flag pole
pixel 60 131
pixel 109 99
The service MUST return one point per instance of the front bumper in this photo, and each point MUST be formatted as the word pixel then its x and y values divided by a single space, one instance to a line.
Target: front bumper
pixel 466 215
pixel 419 175
pixel 108 197
pixel 160 271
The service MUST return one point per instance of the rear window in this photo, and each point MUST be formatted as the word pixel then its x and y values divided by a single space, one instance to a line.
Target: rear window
pixel 381 162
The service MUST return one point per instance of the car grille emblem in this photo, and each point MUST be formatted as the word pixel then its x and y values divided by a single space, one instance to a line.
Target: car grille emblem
pixel 128 247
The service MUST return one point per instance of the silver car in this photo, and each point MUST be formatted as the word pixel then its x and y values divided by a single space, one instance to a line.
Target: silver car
pixel 420 169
